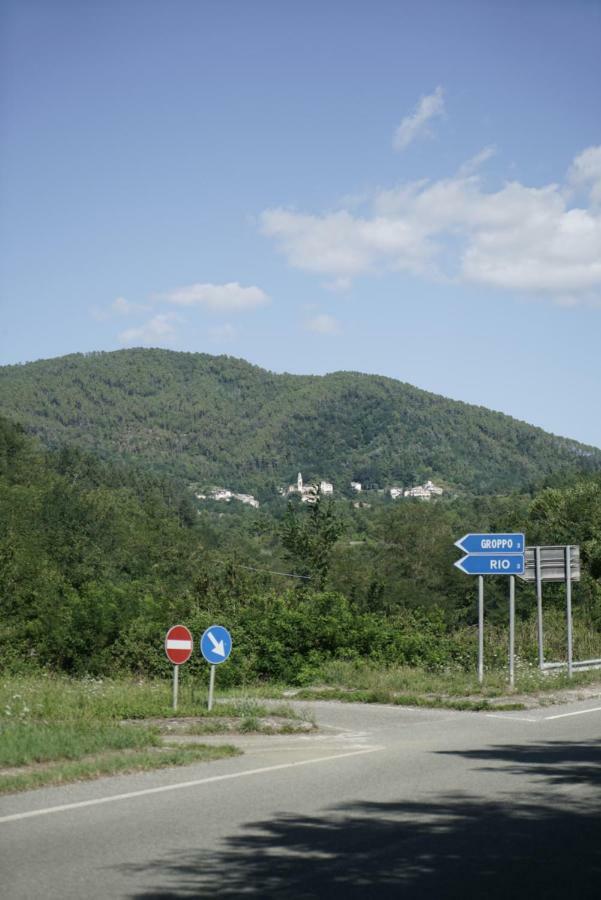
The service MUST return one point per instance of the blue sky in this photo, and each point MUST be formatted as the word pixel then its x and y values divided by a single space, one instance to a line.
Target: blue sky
pixel 389 187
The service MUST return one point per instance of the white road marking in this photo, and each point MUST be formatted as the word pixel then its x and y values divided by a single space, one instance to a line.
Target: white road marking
pixel 15 817
pixel 580 712
pixel 510 717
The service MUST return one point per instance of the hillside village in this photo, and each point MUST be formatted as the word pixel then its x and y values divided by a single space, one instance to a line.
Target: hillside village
pixel 309 492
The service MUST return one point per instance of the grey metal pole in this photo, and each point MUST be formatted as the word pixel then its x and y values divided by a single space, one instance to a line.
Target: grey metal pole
pixel 539 607
pixel 480 628
pixel 211 687
pixel 175 686
pixel 568 568
pixel 511 630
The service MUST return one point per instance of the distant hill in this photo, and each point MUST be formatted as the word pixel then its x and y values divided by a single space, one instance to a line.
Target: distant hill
pixel 216 419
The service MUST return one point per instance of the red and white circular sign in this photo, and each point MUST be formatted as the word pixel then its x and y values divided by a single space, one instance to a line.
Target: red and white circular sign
pixel 178 645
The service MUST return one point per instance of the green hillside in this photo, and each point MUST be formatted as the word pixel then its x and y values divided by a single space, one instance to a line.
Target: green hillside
pixel 98 559
pixel 216 419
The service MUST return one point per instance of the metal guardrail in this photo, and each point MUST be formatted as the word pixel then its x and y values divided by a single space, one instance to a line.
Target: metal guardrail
pixel 580 664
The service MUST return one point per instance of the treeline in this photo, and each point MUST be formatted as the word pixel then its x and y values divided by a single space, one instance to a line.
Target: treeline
pixel 97 560
pixel 219 420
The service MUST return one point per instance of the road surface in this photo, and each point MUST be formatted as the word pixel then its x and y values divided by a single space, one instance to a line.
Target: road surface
pixel 384 802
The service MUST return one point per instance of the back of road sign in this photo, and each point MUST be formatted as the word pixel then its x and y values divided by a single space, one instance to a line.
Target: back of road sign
pixel 552 563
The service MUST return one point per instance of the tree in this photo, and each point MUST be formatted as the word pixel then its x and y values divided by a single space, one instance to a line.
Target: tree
pixel 308 536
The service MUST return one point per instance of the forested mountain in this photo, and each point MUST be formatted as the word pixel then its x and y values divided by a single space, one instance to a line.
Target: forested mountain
pixel 216 419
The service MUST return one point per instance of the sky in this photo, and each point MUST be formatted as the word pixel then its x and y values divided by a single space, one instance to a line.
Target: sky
pixel 401 188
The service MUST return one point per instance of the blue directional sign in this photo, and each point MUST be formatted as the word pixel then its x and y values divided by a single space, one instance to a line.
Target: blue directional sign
pixel 492 564
pixel 216 644
pixel 492 543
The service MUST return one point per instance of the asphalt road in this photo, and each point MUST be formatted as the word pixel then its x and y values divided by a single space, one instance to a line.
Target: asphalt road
pixel 384 802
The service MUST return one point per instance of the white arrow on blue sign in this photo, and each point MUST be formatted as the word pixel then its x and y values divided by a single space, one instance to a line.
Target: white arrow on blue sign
pixel 492 543
pixel 492 564
pixel 216 644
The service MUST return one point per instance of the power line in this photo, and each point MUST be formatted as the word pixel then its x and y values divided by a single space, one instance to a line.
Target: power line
pixel 268 571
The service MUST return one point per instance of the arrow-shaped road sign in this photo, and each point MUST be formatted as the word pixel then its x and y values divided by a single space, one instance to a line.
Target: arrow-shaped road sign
pixel 218 647
pixel 216 644
pixel 492 564
pixel 492 543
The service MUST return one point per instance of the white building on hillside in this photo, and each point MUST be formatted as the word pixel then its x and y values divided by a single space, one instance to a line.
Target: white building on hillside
pixel 222 494
pixel 309 492
pixel 424 491
pixel 225 495
pixel 248 499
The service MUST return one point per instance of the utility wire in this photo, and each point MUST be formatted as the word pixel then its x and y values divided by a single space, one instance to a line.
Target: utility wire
pixel 268 571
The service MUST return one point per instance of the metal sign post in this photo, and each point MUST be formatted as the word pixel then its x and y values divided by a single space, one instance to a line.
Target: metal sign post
pixel 539 606
pixel 555 563
pixel 480 628
pixel 178 647
pixel 211 687
pixel 568 567
pixel 493 554
pixel 512 631
pixel 215 646
pixel 175 686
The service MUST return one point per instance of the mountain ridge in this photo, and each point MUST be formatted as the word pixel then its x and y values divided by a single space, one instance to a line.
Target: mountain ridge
pixel 221 419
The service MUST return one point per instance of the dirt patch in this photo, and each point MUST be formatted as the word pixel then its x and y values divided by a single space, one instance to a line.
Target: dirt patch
pixel 199 725
pixel 551 698
pixel 532 700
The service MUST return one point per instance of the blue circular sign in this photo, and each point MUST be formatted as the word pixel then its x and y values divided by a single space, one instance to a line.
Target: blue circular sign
pixel 216 644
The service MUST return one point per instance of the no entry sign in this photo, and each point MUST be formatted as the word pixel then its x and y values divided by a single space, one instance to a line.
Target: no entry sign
pixel 178 645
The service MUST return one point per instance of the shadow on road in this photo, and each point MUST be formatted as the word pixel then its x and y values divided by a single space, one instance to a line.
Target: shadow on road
pixel 557 762
pixel 541 845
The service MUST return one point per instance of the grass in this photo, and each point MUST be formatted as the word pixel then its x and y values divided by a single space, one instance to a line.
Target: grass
pixel 24 743
pixel 55 729
pixel 110 764
pixel 449 682
pixel 360 681
pixel 52 698
pixel 389 697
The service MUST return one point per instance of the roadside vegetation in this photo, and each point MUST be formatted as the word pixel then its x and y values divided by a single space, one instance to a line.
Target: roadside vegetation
pixel 54 728
pixel 447 689
pixel 98 560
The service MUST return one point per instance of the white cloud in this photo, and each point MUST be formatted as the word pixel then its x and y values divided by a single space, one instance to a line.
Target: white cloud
pixel 415 125
pixel 230 297
pixel 119 307
pixel 585 172
pixel 323 324
pixel 473 164
pixel 518 238
pixel 330 243
pixel 160 330
pixel 124 307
